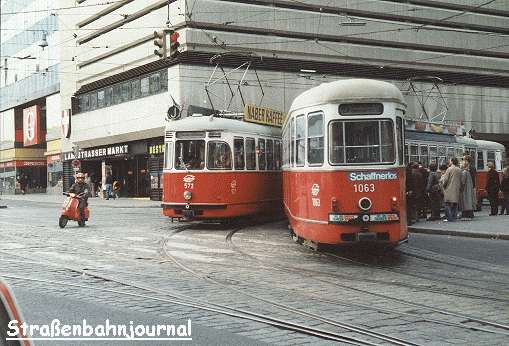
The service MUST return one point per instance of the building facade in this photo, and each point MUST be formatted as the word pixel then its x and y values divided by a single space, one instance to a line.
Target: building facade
pixel 29 103
pixel 267 52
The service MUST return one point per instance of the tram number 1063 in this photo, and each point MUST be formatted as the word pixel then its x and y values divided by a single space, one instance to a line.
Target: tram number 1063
pixel 364 187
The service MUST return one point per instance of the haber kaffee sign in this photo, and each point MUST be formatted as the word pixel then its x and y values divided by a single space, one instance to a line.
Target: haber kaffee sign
pixel 263 115
pixel 31 125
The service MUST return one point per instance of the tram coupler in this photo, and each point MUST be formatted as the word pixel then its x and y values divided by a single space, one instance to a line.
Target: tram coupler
pixel 310 244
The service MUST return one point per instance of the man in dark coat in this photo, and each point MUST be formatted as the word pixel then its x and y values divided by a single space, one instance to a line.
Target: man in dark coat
pixel 419 188
pixel 79 187
pixel 492 188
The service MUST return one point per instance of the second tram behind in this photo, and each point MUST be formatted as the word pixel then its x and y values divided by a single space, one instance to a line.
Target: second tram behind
pixel 221 168
pixel 343 164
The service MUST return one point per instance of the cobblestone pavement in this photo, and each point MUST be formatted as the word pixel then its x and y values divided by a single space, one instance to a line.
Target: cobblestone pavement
pixel 203 271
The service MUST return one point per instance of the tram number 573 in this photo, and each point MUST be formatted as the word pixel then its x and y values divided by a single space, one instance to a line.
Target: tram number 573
pixel 364 187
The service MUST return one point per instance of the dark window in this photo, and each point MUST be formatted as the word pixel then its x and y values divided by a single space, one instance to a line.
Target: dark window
pixel 136 88
pixel 155 83
pixel 292 142
pixel 126 92
pixel 277 154
pixel 300 140
pixel 117 94
pixel 262 165
pixel 190 154
pixel 219 155
pixel 100 99
pixel 480 160
pixel 84 103
pixel 93 101
pixel 108 96
pixel 401 144
pixel 164 80
pixel 145 87
pixel 315 138
pixel 250 154
pixel 270 154
pixel 238 150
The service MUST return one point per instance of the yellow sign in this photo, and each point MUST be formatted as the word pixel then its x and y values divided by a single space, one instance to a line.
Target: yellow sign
pixel 262 115
pixel 156 149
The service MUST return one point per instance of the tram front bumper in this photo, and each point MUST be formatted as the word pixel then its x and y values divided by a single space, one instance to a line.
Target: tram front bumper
pixel 363 218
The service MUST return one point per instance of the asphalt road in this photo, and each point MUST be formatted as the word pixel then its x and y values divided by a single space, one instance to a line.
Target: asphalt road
pixel 485 250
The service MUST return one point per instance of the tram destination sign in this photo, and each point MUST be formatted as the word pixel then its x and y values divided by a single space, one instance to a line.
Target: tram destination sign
pixel 262 115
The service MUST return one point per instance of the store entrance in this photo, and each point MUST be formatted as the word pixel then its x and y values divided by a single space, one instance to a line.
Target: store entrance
pixel 132 174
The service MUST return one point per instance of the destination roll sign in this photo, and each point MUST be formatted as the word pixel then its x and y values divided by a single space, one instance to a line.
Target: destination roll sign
pixel 262 115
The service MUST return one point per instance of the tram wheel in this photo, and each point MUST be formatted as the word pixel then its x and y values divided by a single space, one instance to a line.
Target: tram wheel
pixel 62 222
pixel 81 223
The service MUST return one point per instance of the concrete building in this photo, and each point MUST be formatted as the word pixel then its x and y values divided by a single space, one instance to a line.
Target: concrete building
pixel 266 52
pixel 29 101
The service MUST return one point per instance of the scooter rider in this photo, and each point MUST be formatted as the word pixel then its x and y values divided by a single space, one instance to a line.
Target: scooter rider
pixel 79 187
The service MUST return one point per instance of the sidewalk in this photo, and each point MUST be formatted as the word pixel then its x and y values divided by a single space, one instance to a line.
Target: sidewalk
pixel 482 226
pixel 59 199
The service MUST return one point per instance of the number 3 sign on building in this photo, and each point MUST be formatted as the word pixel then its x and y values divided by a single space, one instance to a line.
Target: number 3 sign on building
pixel 31 124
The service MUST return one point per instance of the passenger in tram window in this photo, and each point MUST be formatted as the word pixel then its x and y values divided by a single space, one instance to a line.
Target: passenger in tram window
pixel 493 187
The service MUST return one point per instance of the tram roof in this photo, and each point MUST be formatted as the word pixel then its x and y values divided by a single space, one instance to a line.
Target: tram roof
pixel 489 145
pixel 212 123
pixel 349 90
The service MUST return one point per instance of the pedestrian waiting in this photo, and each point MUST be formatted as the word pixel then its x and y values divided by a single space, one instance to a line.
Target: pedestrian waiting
pixel 493 188
pixel 451 183
pixel 467 201
pixel 434 191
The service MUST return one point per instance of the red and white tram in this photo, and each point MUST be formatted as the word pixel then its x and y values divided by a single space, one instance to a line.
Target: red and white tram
pixel 221 168
pixel 343 163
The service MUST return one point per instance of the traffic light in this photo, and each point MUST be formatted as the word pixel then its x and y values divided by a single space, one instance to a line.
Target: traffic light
pixel 160 43
pixel 174 43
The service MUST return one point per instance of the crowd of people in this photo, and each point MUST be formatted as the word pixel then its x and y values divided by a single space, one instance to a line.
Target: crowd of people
pixel 452 187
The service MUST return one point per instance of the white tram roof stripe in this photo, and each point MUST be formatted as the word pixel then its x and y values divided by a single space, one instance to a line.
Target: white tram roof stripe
pixel 210 123
pixel 488 145
pixel 349 90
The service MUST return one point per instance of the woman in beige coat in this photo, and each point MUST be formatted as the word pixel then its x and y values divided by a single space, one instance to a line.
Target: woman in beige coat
pixel 451 183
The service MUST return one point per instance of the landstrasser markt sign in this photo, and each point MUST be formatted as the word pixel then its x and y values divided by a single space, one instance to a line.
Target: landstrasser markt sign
pixel 113 150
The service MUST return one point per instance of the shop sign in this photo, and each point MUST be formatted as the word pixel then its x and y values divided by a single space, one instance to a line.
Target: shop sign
pixel 65 123
pixel 113 150
pixel 53 158
pixel 31 123
pixel 156 149
pixel 262 115
pixel 7 164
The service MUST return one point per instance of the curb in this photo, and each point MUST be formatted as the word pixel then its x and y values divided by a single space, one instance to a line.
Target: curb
pixel 458 233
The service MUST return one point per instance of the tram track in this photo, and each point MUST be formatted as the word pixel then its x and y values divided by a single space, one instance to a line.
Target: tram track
pixel 287 308
pixel 504 328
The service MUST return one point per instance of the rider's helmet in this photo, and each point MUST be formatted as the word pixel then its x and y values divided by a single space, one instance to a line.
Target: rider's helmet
pixel 80 176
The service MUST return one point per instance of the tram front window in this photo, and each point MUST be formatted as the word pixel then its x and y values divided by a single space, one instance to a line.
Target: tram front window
pixel 354 142
pixel 190 154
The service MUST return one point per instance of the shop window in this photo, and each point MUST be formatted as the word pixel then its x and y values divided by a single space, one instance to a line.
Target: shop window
pixel 238 149
pixel 145 86
pixel 126 92
pixel 270 154
pixel 100 99
pixel 219 155
pixel 262 164
pixel 190 154
pixel 315 139
pixel 250 154
pixel 168 151
pixel 136 88
pixel 117 94
pixel 164 79
pixel 155 83
pixel 277 155
pixel 300 140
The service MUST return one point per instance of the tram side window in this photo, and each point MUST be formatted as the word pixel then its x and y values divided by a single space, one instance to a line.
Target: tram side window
pixel 401 145
pixel 300 140
pixel 450 153
pixel 190 154
pixel 285 152
pixel 292 142
pixel 387 141
pixel 480 160
pixel 277 155
pixel 238 150
pixel 433 154
pixel 315 139
pixel 441 155
pixel 414 153
pixel 262 165
pixel 168 150
pixel 250 154
pixel 219 155
pixel 491 156
pixel 424 155
pixel 270 155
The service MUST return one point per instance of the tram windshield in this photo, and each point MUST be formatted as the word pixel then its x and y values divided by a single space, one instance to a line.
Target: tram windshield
pixel 361 142
pixel 219 155
pixel 190 154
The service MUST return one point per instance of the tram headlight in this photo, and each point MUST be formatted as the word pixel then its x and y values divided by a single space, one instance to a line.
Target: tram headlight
pixel 188 195
pixel 365 203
